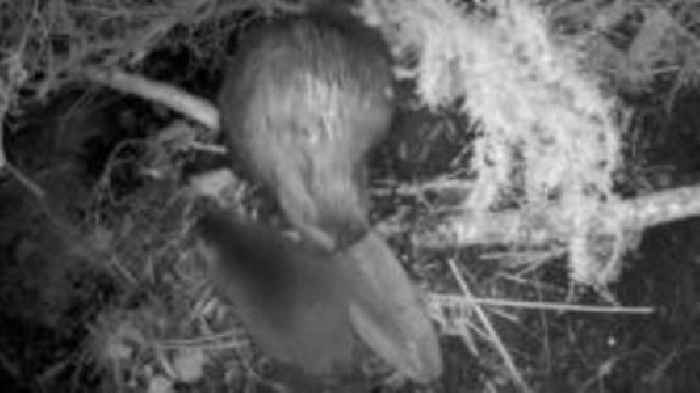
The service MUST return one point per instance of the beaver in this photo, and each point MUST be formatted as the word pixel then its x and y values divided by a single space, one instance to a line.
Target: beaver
pixel 292 298
pixel 302 103
pixel 307 307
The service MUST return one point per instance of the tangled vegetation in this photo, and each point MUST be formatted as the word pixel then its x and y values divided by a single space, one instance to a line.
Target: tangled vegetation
pixel 535 146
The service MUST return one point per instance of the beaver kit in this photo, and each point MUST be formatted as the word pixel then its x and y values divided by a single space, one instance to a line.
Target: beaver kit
pixel 301 105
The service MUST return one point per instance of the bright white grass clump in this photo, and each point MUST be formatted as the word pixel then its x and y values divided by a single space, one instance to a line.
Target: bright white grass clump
pixel 549 139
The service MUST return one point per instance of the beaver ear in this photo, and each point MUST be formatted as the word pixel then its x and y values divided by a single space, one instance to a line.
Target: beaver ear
pixel 387 314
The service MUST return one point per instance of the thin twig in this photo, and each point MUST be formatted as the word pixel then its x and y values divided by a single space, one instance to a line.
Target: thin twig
pixel 495 339
pixel 32 186
pixel 554 306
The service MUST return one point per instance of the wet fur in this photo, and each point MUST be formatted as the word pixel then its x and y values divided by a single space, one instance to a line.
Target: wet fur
pixel 293 299
pixel 301 106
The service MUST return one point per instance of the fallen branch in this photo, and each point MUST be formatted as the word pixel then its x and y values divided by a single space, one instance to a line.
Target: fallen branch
pixel 461 229
pixel 196 108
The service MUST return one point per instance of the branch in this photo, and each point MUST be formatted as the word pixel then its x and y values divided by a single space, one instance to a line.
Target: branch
pixel 196 108
pixel 549 225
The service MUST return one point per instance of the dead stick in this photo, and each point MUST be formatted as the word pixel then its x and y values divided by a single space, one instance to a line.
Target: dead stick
pixel 196 108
